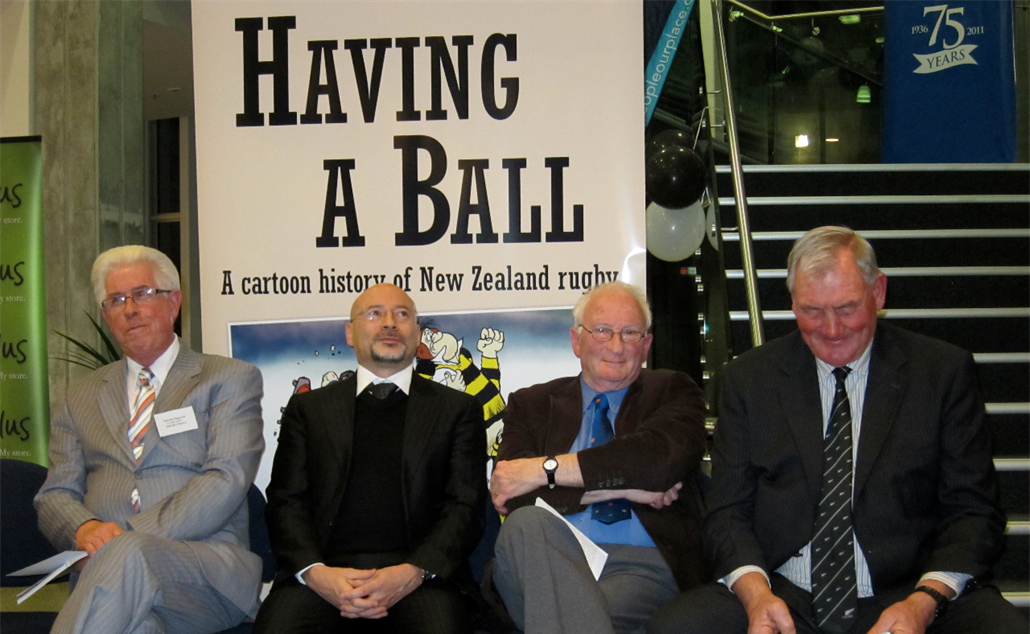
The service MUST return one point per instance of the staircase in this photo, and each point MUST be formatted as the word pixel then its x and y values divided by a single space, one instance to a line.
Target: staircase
pixel 954 242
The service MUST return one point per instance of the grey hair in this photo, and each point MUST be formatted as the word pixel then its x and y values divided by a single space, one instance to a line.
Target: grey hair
pixel 165 274
pixel 816 253
pixel 635 292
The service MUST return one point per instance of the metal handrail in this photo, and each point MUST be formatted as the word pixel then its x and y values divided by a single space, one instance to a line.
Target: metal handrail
pixel 810 14
pixel 743 223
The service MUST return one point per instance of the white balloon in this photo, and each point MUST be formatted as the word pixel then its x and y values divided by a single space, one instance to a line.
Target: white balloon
pixel 674 234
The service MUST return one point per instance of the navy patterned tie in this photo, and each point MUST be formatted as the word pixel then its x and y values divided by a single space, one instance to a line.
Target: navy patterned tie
pixel 834 593
pixel 601 431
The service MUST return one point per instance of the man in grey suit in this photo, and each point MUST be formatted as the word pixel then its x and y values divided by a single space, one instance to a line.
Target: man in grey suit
pixel 151 459
pixel 852 483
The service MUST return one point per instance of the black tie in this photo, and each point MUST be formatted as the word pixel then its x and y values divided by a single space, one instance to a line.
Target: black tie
pixel 382 390
pixel 601 431
pixel 834 594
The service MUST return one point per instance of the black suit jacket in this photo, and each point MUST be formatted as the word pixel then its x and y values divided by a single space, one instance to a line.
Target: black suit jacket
pixel 659 441
pixel 444 480
pixel 924 490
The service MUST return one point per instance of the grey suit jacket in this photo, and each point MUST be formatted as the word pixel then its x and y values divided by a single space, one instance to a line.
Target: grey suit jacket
pixel 925 488
pixel 193 485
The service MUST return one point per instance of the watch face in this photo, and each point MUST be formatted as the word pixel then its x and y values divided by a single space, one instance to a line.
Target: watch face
pixel 550 465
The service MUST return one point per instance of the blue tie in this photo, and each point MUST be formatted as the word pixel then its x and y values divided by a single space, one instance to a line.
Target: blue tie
pixel 601 432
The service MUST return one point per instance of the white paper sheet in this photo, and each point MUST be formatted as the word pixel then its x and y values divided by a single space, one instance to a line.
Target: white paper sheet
pixel 51 567
pixel 596 557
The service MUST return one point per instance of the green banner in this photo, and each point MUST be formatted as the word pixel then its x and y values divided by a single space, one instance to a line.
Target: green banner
pixel 24 399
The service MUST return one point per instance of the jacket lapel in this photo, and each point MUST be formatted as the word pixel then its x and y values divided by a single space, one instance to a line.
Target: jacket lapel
pixel 420 417
pixel 338 419
pixel 800 402
pixel 888 379
pixel 566 417
pixel 181 379
pixel 113 400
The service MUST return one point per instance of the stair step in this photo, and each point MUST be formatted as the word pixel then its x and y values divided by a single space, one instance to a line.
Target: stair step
pixel 872 179
pixel 962 199
pixel 731 235
pixel 1017 527
pixel 905 313
pixel 904 291
pixel 911 271
pixel 896 254
pixel 1018 599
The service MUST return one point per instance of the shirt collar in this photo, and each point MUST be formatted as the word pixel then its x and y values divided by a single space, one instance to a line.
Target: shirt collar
pixel 589 394
pixel 161 367
pixel 402 379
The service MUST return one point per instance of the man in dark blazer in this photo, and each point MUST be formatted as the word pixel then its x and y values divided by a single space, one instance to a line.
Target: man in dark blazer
pixel 160 506
pixel 646 474
pixel 921 524
pixel 377 490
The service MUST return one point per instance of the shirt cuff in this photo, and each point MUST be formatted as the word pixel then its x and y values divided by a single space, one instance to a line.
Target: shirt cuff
pixel 954 580
pixel 300 575
pixel 732 578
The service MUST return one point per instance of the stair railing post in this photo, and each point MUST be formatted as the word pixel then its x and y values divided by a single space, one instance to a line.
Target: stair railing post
pixel 754 307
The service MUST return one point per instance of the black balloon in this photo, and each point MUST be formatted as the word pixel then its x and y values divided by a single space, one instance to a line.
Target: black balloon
pixel 675 174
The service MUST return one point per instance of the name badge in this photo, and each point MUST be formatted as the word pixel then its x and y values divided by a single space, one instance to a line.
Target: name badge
pixel 175 421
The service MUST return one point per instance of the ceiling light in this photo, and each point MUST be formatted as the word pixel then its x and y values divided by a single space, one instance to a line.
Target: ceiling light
pixel 801 140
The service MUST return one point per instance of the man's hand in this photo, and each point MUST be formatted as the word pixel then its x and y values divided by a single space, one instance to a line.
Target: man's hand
pixel 334 584
pixel 512 478
pixel 766 612
pixel 914 614
pixel 90 536
pixel 387 586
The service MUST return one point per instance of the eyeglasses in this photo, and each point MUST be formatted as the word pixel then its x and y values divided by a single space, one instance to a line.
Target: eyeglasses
pixel 139 296
pixel 603 333
pixel 400 315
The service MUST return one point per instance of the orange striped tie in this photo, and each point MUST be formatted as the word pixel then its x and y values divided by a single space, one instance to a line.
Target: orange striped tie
pixel 139 421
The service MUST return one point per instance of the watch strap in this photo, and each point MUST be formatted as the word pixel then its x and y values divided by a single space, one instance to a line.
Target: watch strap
pixel 940 599
pixel 550 472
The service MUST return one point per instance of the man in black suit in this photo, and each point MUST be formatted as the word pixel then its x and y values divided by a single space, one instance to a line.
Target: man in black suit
pixel 377 490
pixel 852 483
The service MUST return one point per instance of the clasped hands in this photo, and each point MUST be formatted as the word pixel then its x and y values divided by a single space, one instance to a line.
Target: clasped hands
pixel 512 478
pixel 363 594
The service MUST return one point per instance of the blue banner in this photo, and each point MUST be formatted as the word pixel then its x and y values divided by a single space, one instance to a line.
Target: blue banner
pixel 949 84
pixel 664 53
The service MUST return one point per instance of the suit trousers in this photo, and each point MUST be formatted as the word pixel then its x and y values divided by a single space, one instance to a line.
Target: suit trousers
pixel 714 609
pixel 141 583
pixel 547 586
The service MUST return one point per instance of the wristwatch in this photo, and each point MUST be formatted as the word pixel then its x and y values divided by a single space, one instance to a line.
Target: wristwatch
pixel 942 601
pixel 550 466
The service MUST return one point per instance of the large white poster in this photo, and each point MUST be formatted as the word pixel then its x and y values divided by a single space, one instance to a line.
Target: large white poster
pixel 481 155
pixel 486 157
